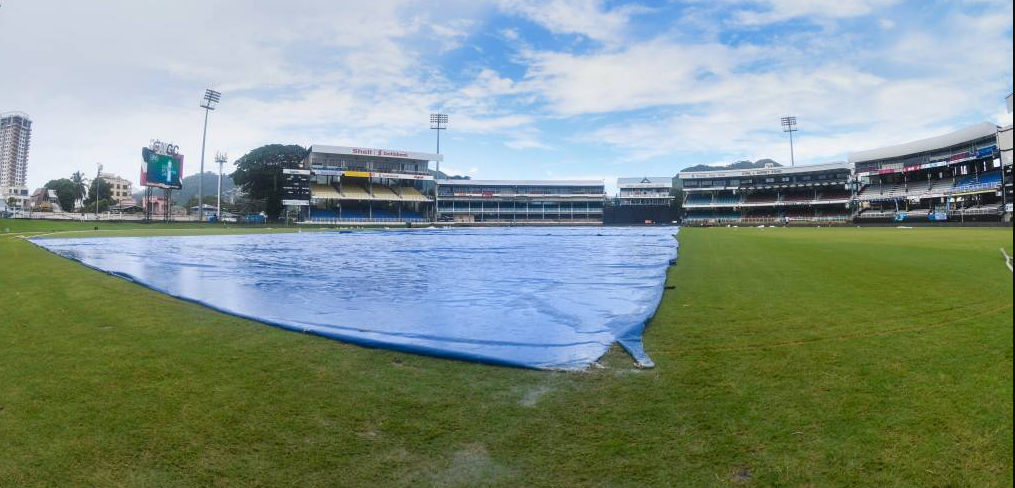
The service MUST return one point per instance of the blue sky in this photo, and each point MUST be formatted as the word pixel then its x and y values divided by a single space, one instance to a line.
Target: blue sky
pixel 534 89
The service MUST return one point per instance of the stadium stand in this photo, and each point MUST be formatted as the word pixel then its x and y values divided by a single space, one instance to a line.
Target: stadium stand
pixel 521 201
pixel 366 185
pixel 955 176
pixel 815 194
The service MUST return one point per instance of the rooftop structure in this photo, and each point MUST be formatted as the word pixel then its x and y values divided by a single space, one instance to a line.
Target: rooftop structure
pixel 645 191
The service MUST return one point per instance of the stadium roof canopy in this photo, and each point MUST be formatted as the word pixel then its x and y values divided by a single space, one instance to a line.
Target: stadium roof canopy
pixel 775 170
pixel 375 152
pixel 521 182
pixel 944 141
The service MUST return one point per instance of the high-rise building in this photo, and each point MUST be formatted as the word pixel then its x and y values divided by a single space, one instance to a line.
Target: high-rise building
pixel 15 137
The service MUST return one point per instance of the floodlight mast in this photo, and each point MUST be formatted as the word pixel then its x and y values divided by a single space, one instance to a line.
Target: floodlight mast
pixel 438 122
pixel 221 159
pixel 208 103
pixel 789 125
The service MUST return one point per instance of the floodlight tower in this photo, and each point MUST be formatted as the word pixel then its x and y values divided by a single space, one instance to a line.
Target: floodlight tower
pixel 208 103
pixel 220 158
pixel 438 122
pixel 789 125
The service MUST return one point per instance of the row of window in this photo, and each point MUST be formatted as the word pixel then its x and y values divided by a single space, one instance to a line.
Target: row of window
pixel 381 165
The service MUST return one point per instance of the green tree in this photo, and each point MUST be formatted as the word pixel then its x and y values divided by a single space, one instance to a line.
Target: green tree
pixel 259 174
pixel 64 193
pixel 103 192
pixel 80 187
pixel 208 200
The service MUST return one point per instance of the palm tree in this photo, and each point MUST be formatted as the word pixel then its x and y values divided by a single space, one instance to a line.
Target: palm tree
pixel 80 187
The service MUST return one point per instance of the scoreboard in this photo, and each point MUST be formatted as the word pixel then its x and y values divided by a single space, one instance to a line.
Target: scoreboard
pixel 296 187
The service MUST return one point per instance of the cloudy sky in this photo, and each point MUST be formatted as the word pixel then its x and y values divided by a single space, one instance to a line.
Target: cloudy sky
pixel 534 89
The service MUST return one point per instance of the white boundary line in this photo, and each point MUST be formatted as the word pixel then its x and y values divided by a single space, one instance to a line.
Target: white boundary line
pixel 1007 258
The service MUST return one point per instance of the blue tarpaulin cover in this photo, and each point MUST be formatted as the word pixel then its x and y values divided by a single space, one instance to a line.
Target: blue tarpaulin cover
pixel 550 298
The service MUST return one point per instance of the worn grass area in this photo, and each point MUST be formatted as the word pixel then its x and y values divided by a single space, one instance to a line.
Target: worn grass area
pixel 786 357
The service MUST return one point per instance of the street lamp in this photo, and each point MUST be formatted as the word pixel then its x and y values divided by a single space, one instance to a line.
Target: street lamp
pixel 211 99
pixel 98 180
pixel 789 125
pixel 438 122
pixel 221 159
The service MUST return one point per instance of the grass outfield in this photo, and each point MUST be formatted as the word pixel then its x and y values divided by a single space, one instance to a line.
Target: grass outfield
pixel 785 357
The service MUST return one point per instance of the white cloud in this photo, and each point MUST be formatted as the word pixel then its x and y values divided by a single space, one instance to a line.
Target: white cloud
pixel 713 99
pixel 770 11
pixel 102 78
pixel 590 18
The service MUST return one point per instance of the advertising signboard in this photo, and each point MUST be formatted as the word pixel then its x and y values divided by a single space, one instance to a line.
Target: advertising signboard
pixel 163 166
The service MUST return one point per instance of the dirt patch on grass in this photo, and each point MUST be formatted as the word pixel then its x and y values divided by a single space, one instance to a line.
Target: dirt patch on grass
pixel 531 397
pixel 471 466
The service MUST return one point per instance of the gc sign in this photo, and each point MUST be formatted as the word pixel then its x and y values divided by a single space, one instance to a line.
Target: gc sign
pixel 166 148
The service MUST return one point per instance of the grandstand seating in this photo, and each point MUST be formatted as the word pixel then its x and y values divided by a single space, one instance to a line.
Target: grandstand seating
pixel 699 199
pixel 761 198
pixel 798 197
pixel 726 199
pixel 321 191
pixel 943 186
pixel 363 215
pixel 411 194
pixel 834 195
pixel 984 181
pixel 352 191
pixel 318 215
pixel 382 192
pixel 887 191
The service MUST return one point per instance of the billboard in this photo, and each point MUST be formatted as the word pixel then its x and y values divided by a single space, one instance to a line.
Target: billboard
pixel 162 170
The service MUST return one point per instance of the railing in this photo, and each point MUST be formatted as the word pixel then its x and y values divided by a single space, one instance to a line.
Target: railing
pixel 520 211
pixel 380 220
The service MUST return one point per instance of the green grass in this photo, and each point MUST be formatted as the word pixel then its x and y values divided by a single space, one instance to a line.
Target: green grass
pixel 785 357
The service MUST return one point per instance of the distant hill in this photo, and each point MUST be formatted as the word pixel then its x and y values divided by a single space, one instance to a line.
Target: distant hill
pixel 761 163
pixel 440 175
pixel 190 184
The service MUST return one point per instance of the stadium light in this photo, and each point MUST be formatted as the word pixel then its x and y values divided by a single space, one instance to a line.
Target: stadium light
pixel 208 103
pixel 438 122
pixel 789 125
pixel 221 159
pixel 98 180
